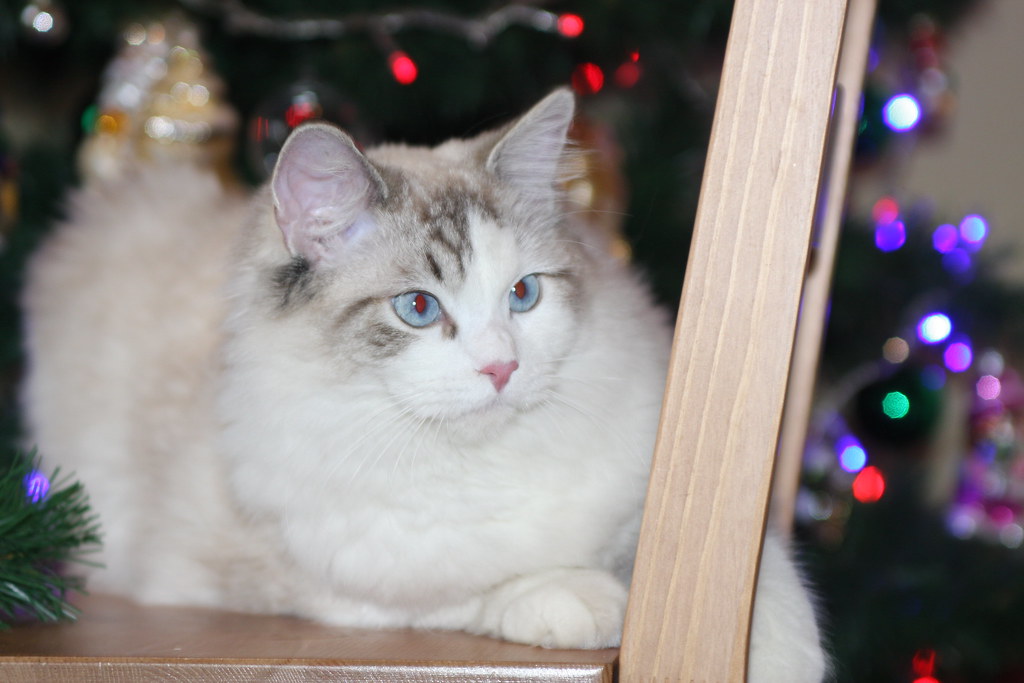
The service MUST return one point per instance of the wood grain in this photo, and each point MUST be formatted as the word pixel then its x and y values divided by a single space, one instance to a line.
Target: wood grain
pixel 117 640
pixel 811 324
pixel 690 603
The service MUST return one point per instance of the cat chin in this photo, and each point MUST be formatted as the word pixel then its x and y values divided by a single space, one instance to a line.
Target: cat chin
pixel 475 424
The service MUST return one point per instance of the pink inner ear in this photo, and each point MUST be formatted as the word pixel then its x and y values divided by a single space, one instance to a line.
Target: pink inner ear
pixel 322 187
pixel 529 155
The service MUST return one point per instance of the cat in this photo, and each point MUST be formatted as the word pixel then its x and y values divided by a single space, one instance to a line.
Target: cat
pixel 405 388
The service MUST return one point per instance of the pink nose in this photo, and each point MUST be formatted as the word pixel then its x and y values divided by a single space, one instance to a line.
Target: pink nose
pixel 500 373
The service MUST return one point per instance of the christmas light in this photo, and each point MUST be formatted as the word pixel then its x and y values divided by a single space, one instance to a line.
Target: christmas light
pixel 135 34
pixel 973 230
pixel 957 357
pixel 570 25
pixel 885 210
pixel 1012 536
pixel 300 111
pixel 896 405
pixel 901 113
pixel 923 662
pixel 402 67
pixel 869 486
pixel 627 75
pixel 852 456
pixel 1001 514
pixel 934 328
pixel 957 261
pixel 890 236
pixel 36 486
pixel 963 521
pixel 874 58
pixel 42 22
pixel 587 78
pixel 991 362
pixel 988 388
pixel 945 238
pixel 896 350
pixel 260 128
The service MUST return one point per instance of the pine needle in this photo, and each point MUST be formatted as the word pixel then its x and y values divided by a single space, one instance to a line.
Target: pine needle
pixel 45 526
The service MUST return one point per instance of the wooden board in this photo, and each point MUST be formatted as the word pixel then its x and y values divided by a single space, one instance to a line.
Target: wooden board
pixel 690 602
pixel 817 288
pixel 117 640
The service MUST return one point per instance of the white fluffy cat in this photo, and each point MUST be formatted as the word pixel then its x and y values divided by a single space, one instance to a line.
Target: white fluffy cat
pixel 393 389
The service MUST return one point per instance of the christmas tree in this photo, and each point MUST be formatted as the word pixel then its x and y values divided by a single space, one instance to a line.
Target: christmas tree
pixel 45 525
pixel 911 489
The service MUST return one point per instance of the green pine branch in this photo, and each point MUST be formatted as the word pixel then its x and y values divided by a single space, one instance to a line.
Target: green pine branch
pixel 41 533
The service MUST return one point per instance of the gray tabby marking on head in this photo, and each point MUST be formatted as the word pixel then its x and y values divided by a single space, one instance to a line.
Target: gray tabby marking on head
pixel 410 210
pixel 293 283
pixel 386 341
pixel 353 313
pixel 445 216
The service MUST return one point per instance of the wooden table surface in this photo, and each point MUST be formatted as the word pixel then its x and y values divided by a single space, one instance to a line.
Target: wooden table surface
pixel 117 640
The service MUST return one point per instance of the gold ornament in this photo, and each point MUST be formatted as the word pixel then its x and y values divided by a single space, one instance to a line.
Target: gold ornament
pixel 159 100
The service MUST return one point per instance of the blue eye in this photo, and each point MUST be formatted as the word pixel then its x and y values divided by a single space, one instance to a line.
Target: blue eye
pixel 418 309
pixel 524 294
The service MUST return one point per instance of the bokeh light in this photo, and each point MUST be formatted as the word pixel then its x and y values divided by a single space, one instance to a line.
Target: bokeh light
pixel 988 388
pixel 934 328
pixel 627 75
pixel 991 362
pixel 36 486
pixel 402 67
pixel 896 405
pixel 945 238
pixel 43 22
pixel 923 662
pixel 957 261
pixel 885 210
pixel 901 113
pixel 958 356
pixel 1012 536
pixel 570 25
pixel 851 454
pixel 896 350
pixel 869 485
pixel 587 78
pixel 890 236
pixel 973 230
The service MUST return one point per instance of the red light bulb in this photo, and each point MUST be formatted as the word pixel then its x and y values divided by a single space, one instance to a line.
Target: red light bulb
pixel 298 112
pixel 587 78
pixel 627 75
pixel 570 25
pixel 402 67
pixel 869 485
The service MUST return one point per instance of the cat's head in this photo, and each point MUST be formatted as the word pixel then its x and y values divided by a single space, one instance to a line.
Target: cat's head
pixel 446 274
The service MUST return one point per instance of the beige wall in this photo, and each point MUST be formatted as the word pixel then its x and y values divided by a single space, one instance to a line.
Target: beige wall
pixel 977 163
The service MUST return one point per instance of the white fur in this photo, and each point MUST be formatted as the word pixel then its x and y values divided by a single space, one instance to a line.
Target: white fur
pixel 238 458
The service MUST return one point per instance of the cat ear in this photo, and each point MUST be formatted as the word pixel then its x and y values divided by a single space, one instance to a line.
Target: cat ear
pixel 530 154
pixel 323 188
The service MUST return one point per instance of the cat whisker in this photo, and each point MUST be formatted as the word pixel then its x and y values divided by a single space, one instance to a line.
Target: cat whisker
pixel 410 438
pixel 594 382
pixel 386 417
pixel 602 422
pixel 405 404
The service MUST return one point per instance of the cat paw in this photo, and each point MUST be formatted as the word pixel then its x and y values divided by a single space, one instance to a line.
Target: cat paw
pixel 564 608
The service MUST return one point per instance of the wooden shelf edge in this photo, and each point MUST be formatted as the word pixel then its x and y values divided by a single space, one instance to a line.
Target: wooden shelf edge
pixel 104 670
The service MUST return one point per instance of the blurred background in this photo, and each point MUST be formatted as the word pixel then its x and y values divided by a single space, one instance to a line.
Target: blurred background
pixel 911 510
